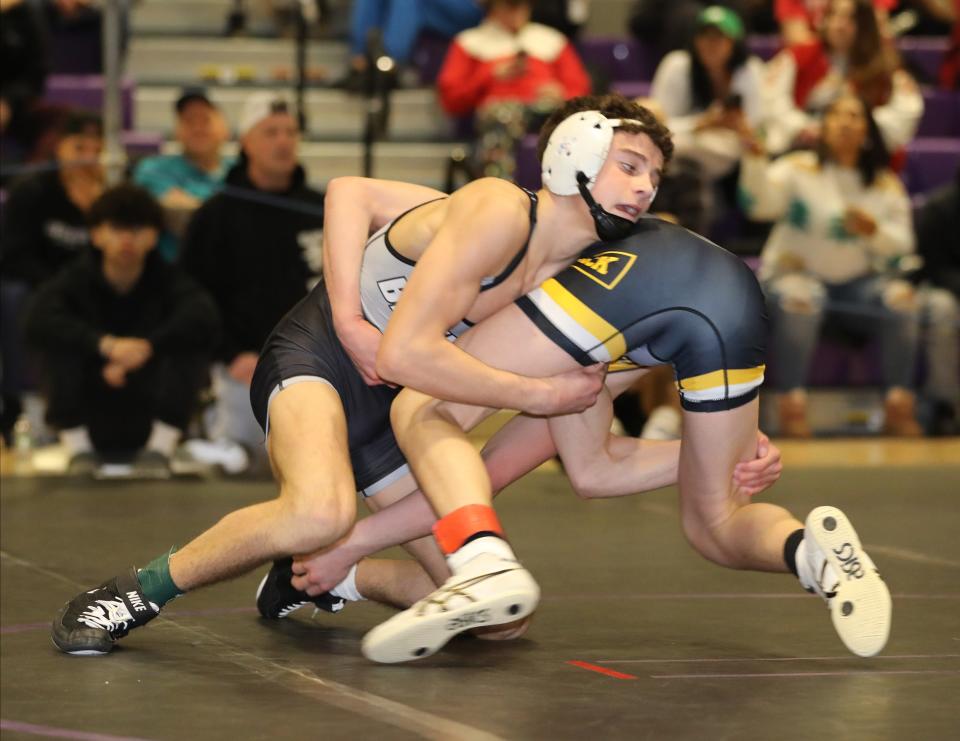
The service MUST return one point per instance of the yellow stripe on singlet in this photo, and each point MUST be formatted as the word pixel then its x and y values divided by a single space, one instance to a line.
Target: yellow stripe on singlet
pixel 717 378
pixel 587 318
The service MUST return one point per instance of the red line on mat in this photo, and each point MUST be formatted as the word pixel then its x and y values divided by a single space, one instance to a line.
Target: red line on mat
pixel 601 670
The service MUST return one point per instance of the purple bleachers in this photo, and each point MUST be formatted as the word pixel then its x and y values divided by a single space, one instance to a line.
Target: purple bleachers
pixel 528 167
pixel 931 163
pixel 764 46
pixel 632 89
pixel 618 59
pixel 924 54
pixel 627 60
pixel 941 114
pixel 86 91
pixel 139 144
pixel 428 56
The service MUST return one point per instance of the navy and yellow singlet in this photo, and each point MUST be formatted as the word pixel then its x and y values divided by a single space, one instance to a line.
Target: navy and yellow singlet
pixel 662 295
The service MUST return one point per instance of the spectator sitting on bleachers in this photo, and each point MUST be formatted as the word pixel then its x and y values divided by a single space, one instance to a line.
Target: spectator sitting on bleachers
pixel 667 25
pixel 704 89
pixel 256 246
pixel 75 30
pixel 401 22
pixel 937 227
pixel 123 339
pixel 44 216
pixel 798 19
pixel 43 228
pixel 511 73
pixel 181 182
pixel 849 54
pixel 842 217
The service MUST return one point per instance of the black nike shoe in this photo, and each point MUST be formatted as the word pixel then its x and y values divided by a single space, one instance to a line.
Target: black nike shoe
pixel 93 621
pixel 277 597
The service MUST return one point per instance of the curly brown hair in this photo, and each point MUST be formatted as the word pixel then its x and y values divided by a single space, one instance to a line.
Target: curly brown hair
pixel 611 105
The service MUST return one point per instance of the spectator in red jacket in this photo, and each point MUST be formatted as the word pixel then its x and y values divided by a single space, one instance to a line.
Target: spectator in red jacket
pixel 799 19
pixel 511 73
pixel 850 55
pixel 509 58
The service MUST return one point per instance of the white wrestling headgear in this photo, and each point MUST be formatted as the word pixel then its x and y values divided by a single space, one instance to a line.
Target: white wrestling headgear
pixel 572 159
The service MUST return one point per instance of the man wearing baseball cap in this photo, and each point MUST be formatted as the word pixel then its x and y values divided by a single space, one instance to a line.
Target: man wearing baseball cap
pixel 255 246
pixel 181 182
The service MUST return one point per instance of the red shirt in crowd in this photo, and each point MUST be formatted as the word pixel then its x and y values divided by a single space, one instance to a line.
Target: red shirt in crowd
pixel 545 57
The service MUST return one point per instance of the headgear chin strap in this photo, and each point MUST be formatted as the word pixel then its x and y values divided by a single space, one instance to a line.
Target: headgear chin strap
pixel 610 227
pixel 573 157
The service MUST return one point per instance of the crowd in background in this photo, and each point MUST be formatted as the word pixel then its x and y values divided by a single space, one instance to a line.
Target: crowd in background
pixel 125 306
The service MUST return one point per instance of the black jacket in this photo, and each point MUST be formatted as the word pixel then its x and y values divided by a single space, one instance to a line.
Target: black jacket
pixel 256 252
pixel 42 229
pixel 70 313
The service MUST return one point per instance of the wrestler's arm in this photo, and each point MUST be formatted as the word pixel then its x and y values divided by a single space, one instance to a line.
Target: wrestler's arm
pixel 516 449
pixel 354 208
pixel 600 464
pixel 484 228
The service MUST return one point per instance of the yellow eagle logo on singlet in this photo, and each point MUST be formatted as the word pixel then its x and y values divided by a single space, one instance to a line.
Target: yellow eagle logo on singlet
pixel 606 268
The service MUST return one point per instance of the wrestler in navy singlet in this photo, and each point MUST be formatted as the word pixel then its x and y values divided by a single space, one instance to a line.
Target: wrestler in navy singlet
pixel 662 295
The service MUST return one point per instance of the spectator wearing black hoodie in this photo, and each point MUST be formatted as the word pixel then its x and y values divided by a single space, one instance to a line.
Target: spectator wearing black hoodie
pixel 44 227
pixel 256 247
pixel 124 339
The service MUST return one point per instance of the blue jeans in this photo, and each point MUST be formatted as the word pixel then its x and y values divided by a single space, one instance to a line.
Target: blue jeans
pixel 798 305
pixel 401 21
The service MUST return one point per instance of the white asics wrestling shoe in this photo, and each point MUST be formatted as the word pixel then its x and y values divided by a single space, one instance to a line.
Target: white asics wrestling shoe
pixel 847 579
pixel 487 590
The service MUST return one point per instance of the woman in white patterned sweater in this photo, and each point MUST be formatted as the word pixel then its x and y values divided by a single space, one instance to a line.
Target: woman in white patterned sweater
pixel 843 222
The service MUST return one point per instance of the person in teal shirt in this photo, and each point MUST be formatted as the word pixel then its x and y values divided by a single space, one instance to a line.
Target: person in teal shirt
pixel 181 182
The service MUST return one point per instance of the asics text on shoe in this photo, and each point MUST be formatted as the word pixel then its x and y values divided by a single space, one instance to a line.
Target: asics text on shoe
pixel 856 595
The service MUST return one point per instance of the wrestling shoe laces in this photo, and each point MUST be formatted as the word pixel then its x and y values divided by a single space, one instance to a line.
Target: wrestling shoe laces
pixel 92 621
pixel 277 597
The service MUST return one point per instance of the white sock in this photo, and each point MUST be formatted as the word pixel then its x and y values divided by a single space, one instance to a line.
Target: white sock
pixel 488 544
pixel 76 440
pixel 163 438
pixel 347 589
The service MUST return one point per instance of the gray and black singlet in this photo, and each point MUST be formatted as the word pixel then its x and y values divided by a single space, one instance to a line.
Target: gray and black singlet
pixel 305 345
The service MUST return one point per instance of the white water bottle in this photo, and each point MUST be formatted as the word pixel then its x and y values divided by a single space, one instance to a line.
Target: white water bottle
pixel 23 440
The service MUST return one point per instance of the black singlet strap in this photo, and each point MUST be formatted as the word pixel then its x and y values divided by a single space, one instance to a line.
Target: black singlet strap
pixel 523 250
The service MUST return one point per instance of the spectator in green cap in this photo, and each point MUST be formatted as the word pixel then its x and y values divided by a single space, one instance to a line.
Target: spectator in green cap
pixel 704 91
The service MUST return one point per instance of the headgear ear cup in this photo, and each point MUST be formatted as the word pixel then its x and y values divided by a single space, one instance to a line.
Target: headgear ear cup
pixel 579 144
pixel 573 158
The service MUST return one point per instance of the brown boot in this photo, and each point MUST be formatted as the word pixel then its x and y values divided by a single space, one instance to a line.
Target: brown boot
pixel 900 418
pixel 793 415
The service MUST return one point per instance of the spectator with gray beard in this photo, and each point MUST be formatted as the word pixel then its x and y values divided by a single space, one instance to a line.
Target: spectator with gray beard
pixel 255 246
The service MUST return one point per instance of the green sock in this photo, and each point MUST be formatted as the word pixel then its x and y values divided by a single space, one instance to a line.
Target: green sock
pixel 155 580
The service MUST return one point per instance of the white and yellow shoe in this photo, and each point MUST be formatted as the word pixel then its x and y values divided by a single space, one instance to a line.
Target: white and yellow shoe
pixel 487 589
pixel 838 569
